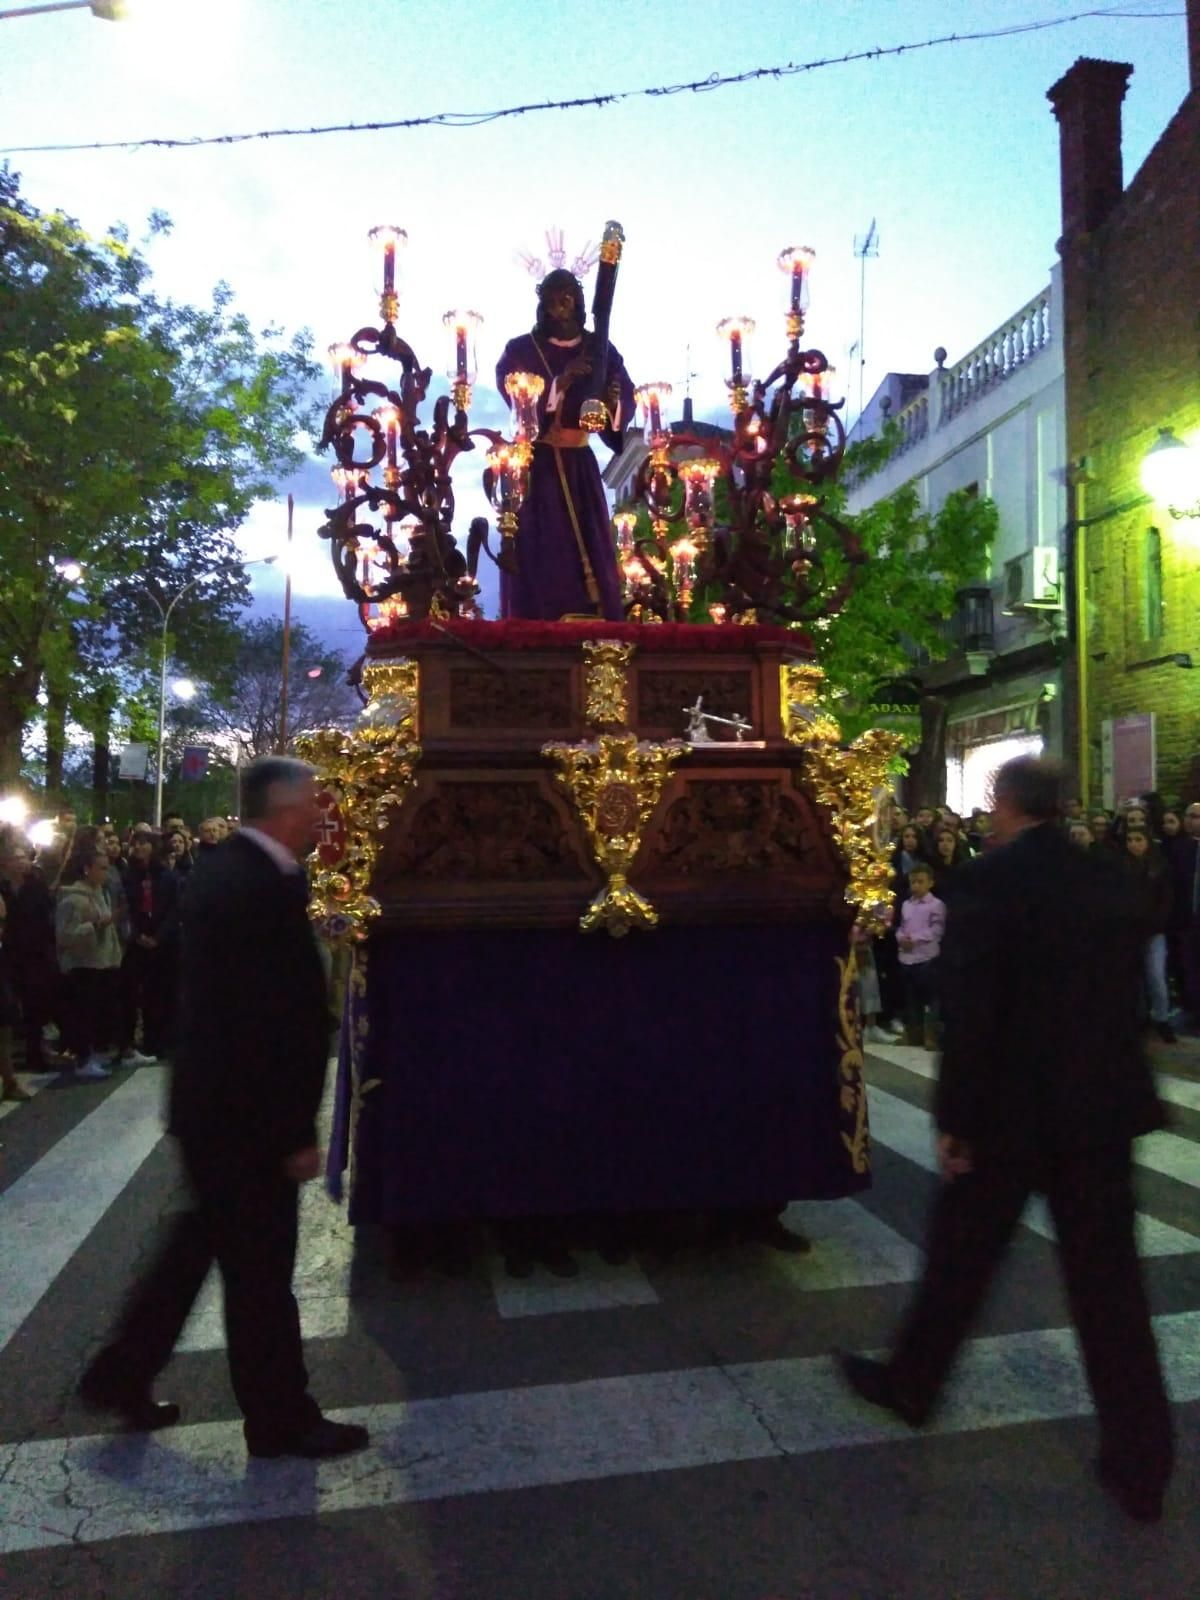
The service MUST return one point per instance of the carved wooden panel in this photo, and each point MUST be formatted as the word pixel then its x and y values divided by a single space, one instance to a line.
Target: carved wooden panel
pixel 734 825
pixel 533 698
pixel 485 832
pixel 663 696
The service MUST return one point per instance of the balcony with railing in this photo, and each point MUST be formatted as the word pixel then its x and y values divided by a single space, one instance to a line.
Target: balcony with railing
pixel 951 391
pixel 1010 348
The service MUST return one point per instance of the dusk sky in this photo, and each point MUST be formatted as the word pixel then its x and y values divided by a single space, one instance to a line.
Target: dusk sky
pixel 953 149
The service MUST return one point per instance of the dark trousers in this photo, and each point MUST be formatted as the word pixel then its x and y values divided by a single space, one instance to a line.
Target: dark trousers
pixel 146 977
pixel 1091 1199
pixel 920 997
pixel 88 1009
pixel 244 1219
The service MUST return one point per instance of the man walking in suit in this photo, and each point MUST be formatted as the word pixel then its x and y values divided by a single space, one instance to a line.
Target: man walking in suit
pixel 1043 1087
pixel 248 1077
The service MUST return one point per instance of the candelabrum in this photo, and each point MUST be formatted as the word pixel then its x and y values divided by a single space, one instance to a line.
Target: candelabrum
pixel 390 533
pixel 760 558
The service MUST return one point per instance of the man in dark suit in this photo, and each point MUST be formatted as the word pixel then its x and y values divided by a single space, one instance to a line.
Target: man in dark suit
pixel 1043 1086
pixel 248 1078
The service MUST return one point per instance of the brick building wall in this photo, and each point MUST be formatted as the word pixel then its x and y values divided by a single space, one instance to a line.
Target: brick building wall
pixel 1131 284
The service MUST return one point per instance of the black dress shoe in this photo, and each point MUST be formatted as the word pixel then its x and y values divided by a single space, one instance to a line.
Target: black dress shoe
pixel 872 1381
pixel 1136 1501
pixel 324 1438
pixel 138 1412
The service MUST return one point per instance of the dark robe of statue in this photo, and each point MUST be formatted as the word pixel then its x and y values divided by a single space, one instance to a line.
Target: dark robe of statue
pixel 565 552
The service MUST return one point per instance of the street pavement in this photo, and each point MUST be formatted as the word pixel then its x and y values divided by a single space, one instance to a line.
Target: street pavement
pixel 666 1429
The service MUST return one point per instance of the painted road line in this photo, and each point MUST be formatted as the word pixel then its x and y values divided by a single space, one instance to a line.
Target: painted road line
pixel 85 1490
pixel 321 1282
pixel 600 1286
pixel 1179 1091
pixel 852 1248
pixel 1176 1091
pixel 908 1130
pixel 49 1212
pixel 33 1083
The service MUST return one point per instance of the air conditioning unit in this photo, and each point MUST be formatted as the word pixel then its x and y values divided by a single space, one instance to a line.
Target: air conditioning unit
pixel 1031 581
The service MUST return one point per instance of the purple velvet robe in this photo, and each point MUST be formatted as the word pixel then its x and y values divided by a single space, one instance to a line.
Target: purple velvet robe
pixel 550 583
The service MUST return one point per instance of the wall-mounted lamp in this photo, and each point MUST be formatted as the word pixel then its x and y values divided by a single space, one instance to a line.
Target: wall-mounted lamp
pixel 1171 474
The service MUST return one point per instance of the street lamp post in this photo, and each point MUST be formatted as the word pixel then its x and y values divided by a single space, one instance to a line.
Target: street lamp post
pixel 165 614
pixel 106 10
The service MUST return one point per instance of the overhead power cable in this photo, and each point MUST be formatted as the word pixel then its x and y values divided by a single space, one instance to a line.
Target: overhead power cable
pixel 715 80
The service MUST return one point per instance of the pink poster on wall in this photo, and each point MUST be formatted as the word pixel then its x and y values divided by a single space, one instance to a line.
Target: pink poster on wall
pixel 1129 758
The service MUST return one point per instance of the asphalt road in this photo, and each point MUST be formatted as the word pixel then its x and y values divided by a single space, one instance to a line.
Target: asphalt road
pixel 660 1430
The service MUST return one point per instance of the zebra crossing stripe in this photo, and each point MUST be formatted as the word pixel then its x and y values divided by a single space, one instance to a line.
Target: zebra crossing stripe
pixel 600 1286
pixel 48 1213
pixel 85 1490
pixel 33 1083
pixel 908 1130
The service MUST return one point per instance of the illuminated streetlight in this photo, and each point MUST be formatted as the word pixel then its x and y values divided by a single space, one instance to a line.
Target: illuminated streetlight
pixel 1171 474
pixel 106 10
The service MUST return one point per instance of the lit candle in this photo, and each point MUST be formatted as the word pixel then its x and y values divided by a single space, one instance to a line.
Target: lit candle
pixel 524 390
pixel 698 475
pixel 737 330
pixel 388 238
pixel 388 419
pixel 797 261
pixel 344 358
pixel 650 397
pixel 625 522
pixel 463 325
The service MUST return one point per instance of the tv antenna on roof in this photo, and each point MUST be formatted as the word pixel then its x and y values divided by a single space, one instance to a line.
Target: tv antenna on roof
pixel 866 245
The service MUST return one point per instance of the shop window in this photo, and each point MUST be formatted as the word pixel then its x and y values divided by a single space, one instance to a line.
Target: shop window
pixel 1153 611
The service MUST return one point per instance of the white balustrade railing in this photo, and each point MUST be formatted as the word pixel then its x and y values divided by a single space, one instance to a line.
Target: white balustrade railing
pixel 913 422
pixel 1013 345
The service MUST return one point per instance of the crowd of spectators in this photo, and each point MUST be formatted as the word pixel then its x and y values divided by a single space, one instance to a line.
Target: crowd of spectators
pixel 1156 846
pixel 89 951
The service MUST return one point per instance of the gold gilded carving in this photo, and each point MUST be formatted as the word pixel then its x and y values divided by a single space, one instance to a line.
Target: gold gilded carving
pixel 606 682
pixel 514 699
pixel 852 1093
pixel 734 826
pixel 367 770
pixel 360 1032
pixel 850 781
pixel 615 784
pixel 481 832
pixel 804 722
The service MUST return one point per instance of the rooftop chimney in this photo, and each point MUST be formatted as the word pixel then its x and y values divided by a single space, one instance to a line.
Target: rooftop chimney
pixel 1193 30
pixel 1087 103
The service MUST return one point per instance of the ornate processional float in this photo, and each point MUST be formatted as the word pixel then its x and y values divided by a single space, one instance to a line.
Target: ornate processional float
pixel 654 755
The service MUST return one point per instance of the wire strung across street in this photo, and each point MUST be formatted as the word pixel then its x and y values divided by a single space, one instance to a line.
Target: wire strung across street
pixel 715 80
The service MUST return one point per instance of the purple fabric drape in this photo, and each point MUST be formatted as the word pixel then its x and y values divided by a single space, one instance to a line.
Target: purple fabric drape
pixel 540 1072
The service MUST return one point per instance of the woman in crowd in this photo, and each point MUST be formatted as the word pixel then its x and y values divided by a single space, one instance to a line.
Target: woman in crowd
pixel 89 956
pixel 29 945
pixel 949 854
pixel 177 852
pixel 1102 832
pixel 147 970
pixel 909 852
pixel 1149 871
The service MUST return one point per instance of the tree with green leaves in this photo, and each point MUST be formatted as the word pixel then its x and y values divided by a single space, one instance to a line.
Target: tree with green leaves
pixel 135 436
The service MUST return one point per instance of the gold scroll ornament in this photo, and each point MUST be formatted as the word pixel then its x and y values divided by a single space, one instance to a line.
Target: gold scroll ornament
pixel 369 769
pixel 614 782
pixel 850 782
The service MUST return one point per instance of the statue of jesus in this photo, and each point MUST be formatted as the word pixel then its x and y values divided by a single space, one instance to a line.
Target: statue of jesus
pixel 565 552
